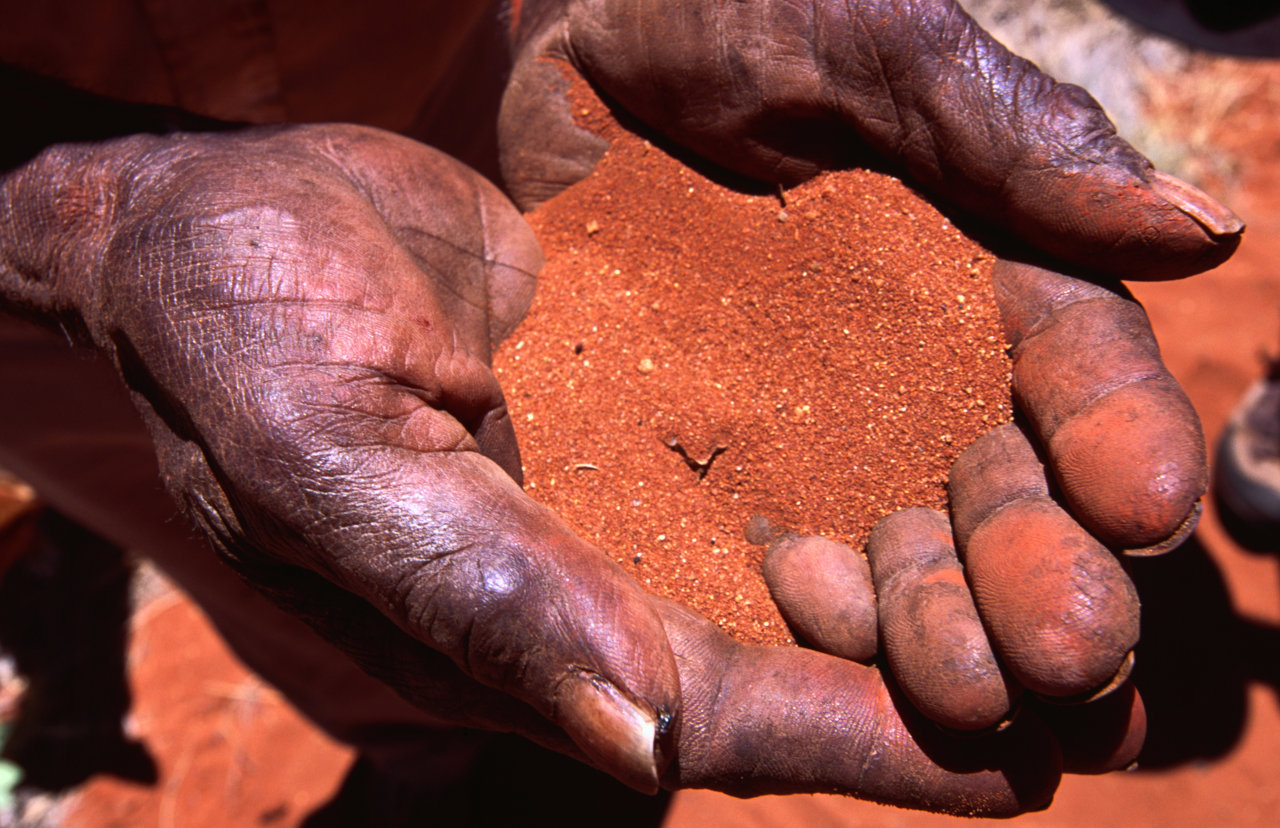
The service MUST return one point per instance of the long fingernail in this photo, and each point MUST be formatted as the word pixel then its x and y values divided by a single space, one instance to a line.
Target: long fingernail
pixel 613 731
pixel 1205 210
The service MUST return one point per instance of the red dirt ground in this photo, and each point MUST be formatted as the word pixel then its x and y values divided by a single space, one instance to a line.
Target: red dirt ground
pixel 231 753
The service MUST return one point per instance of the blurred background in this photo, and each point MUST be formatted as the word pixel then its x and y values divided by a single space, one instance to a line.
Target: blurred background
pixel 91 638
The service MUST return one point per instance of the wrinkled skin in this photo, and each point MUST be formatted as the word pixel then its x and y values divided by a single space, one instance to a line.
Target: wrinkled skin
pixel 779 91
pixel 921 85
pixel 305 317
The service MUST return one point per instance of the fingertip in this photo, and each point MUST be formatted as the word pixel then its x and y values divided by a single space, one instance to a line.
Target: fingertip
pixel 1102 736
pixel 1215 218
pixel 542 148
pixel 1122 438
pixel 887 536
pixel 1180 535
pixel 496 438
pixel 1085 196
pixel 823 590
pixel 1133 466
pixel 1059 608
pixel 1113 222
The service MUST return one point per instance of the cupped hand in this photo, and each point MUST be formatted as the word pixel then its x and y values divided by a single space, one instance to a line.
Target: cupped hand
pixel 304 318
pixel 1109 457
pixel 1023 585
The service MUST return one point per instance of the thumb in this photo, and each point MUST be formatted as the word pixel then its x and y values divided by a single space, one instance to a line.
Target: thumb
pixel 780 91
pixel 777 720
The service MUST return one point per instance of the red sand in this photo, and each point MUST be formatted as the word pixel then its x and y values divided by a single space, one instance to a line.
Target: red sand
pixel 696 356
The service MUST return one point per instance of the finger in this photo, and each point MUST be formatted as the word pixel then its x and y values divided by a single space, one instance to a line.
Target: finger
pixel 934 641
pixel 542 150
pixel 779 91
pixel 784 720
pixel 823 590
pixel 1060 610
pixel 1122 439
pixel 1101 736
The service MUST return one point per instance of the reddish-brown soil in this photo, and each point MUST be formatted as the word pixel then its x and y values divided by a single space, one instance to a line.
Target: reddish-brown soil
pixel 231 750
pixel 696 356
pixel 1213 752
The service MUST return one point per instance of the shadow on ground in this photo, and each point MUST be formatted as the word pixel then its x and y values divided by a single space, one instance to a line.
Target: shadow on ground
pixel 1196 658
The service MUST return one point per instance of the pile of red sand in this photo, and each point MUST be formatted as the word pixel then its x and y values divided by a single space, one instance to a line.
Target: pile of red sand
pixel 696 356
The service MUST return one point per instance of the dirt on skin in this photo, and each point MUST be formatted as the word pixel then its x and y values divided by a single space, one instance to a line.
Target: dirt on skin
pixel 1213 754
pixel 696 356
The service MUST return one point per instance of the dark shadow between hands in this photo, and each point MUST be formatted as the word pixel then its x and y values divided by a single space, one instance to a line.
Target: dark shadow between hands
pixel 64 619
pixel 506 780
pixel 52 112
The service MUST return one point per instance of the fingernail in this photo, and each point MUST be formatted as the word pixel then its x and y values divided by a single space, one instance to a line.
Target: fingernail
pixel 1105 689
pixel 613 731
pixel 1172 542
pixel 1205 210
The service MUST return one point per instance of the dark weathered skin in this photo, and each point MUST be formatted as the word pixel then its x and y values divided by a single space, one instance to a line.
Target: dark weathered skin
pixel 1061 612
pixel 933 638
pixel 1087 373
pixel 304 317
pixel 824 591
pixel 780 91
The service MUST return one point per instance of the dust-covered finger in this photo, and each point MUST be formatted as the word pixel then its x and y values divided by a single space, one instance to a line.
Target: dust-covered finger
pixel 1061 611
pixel 1120 435
pixel 823 590
pixel 933 638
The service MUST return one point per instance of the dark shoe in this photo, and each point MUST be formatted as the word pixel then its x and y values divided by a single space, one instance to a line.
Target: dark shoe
pixel 1247 467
